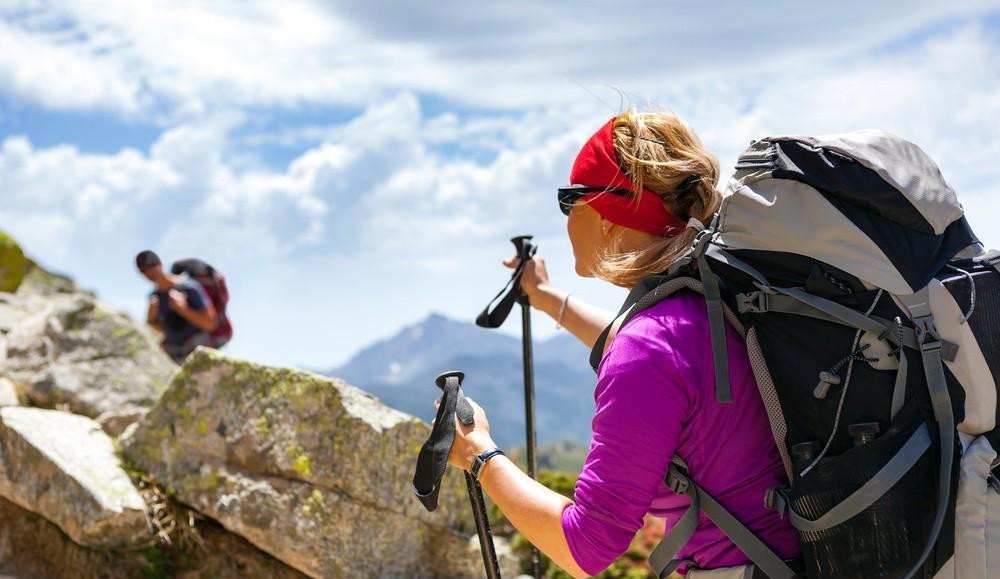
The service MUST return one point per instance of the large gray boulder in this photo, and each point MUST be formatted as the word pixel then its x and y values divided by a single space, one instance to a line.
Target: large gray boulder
pixel 63 467
pixel 31 547
pixel 36 289
pixel 307 468
pixel 15 308
pixel 77 354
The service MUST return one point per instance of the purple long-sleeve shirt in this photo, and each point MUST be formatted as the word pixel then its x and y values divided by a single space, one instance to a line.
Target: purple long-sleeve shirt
pixel 655 398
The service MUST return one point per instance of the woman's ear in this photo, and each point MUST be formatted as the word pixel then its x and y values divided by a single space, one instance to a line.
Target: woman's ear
pixel 606 226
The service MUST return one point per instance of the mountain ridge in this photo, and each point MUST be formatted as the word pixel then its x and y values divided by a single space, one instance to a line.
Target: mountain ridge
pixel 400 370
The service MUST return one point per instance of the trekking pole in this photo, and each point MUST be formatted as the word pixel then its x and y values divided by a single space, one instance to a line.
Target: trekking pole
pixel 526 248
pixel 494 318
pixel 483 528
pixel 433 461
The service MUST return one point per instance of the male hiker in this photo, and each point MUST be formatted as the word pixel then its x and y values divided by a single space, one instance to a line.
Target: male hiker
pixel 178 308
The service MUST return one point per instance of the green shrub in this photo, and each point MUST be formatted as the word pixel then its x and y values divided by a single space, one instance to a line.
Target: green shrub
pixel 631 565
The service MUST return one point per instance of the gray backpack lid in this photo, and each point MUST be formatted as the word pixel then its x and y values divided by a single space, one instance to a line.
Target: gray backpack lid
pixel 867 202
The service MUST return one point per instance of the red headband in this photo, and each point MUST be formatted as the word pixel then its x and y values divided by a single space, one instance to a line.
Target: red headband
pixel 597 166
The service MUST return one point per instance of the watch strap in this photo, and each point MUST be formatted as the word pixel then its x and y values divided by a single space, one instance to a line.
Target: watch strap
pixel 480 461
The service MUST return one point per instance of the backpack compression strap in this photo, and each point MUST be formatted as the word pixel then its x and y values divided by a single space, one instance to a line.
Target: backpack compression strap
pixel 930 348
pixel 433 458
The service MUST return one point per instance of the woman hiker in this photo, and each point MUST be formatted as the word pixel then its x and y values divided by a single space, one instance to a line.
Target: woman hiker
pixel 655 394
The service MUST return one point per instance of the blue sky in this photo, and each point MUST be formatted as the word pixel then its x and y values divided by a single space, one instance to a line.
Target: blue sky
pixel 352 167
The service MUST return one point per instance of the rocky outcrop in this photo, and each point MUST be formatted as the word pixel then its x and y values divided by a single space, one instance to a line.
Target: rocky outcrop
pixel 33 548
pixel 39 281
pixel 15 308
pixel 307 468
pixel 63 467
pixel 75 353
pixel 12 264
pixel 262 472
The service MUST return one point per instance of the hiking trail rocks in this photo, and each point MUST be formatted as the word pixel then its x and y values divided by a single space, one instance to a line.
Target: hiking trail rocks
pixel 74 353
pixel 63 467
pixel 31 547
pixel 307 468
pixel 262 472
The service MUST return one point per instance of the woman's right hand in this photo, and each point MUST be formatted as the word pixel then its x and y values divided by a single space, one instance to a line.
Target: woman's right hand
pixel 535 275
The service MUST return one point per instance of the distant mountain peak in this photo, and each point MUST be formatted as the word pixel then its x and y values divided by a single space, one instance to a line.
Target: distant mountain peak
pixel 437 318
pixel 401 369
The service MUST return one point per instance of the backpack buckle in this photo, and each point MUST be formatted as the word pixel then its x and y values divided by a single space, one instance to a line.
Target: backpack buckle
pixel 701 240
pixel 776 499
pixel 927 335
pixel 677 481
pixel 752 303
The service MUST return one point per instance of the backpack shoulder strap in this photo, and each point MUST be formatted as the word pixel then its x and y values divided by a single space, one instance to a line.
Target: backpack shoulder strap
pixel 643 296
pixel 653 294
pixel 612 330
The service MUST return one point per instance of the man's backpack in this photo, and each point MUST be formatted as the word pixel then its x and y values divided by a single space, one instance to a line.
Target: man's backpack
pixel 214 284
pixel 871 315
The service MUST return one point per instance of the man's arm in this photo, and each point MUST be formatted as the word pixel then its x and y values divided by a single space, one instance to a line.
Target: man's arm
pixel 153 313
pixel 203 318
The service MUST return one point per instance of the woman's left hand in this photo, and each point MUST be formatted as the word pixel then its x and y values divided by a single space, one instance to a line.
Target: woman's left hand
pixel 470 440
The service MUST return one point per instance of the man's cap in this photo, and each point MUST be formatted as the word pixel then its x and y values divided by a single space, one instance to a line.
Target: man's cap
pixel 147 259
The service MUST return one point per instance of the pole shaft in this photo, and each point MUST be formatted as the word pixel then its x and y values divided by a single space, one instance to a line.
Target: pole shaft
pixel 483 529
pixel 529 413
pixel 529 391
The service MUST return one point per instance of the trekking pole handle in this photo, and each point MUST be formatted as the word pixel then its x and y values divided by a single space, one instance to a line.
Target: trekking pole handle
pixel 442 378
pixel 520 241
pixel 525 251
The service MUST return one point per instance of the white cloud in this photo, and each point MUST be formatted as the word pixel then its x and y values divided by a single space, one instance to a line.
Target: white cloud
pixel 397 211
pixel 57 72
pixel 83 186
pixel 177 58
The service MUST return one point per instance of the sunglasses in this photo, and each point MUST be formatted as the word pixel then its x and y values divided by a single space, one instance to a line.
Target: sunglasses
pixel 570 194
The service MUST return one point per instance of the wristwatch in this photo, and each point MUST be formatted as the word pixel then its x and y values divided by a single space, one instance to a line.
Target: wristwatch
pixel 480 461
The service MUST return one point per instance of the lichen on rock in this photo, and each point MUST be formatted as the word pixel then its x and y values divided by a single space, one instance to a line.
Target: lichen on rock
pixel 308 468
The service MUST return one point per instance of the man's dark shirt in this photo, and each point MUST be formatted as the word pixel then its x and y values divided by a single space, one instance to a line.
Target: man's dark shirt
pixel 177 330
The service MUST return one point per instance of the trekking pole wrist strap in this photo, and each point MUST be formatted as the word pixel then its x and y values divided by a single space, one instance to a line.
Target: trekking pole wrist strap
pixel 480 461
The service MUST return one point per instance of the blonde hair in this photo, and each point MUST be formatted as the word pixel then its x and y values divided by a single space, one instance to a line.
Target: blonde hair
pixel 660 153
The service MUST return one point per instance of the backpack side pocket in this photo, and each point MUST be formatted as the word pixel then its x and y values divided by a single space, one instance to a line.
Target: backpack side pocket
pixel 977 514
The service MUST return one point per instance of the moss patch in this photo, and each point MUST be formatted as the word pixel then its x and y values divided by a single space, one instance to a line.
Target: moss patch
pixel 13 266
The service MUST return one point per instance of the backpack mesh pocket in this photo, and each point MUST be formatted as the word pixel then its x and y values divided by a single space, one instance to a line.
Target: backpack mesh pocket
pixel 884 540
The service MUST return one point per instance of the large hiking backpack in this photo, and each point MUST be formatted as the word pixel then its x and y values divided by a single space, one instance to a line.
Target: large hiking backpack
pixel 214 284
pixel 872 321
